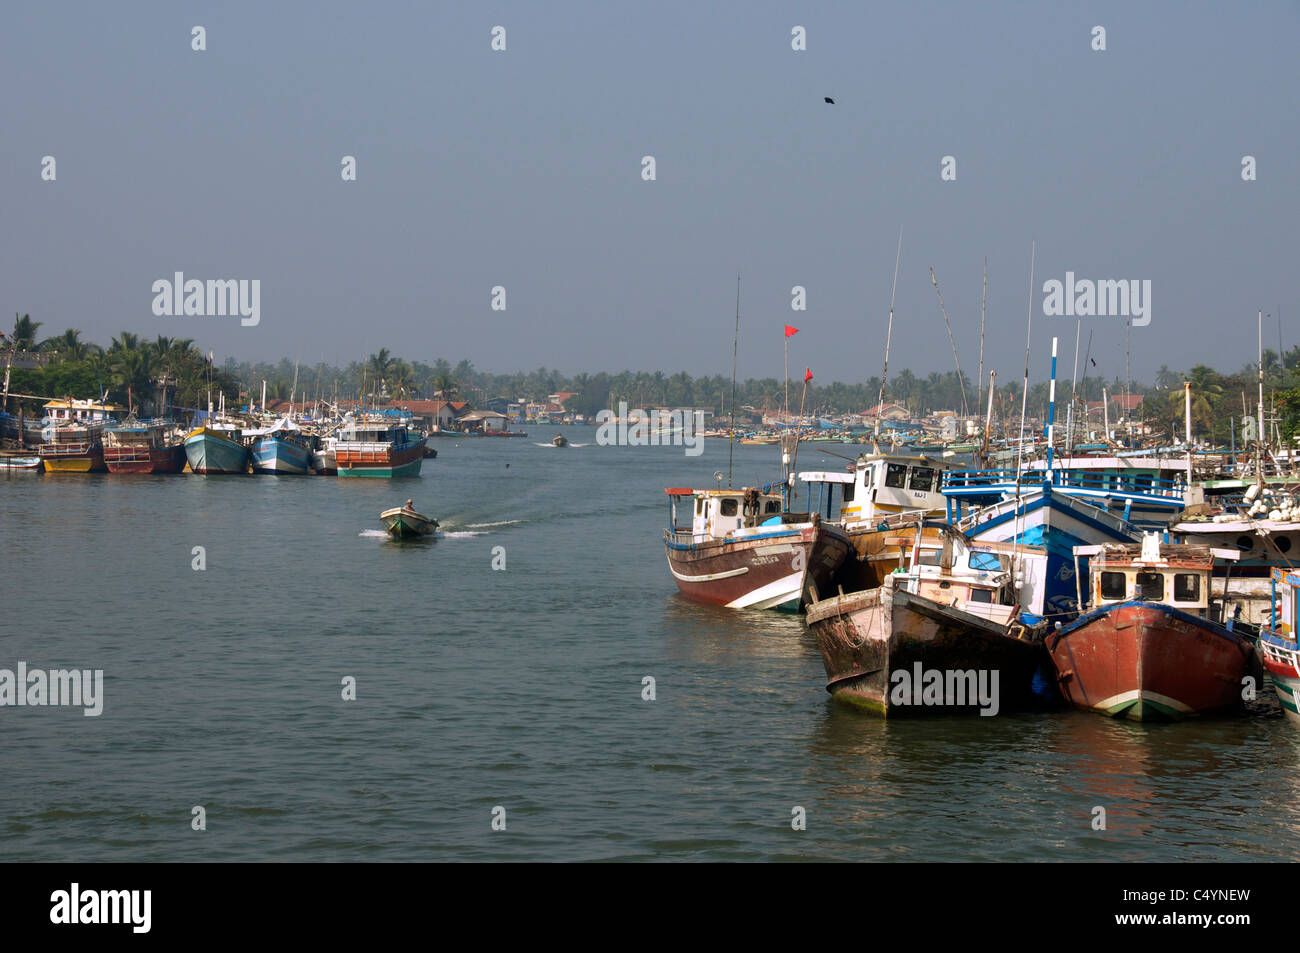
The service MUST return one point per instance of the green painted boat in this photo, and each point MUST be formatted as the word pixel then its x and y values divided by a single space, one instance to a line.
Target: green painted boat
pixel 402 522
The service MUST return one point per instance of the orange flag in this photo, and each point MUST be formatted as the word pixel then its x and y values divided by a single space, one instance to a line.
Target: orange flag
pixel 790 332
pixel 808 375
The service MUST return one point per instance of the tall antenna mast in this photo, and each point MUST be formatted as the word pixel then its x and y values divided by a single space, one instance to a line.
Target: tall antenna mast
pixel 735 350
pixel 884 377
pixel 1074 391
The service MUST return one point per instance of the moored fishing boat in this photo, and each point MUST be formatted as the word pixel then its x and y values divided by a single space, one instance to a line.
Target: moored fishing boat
pixel 143 447
pixel 19 462
pixel 73 448
pixel 378 446
pixel 741 551
pixel 216 449
pixel 1279 646
pixel 404 522
pixel 280 449
pixel 1149 647
pixel 944 634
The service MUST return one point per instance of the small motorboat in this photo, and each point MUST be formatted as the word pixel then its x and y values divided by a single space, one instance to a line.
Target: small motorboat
pixel 12 462
pixel 560 440
pixel 403 522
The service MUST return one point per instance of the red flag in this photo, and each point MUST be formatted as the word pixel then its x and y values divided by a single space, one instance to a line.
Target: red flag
pixel 790 332
pixel 807 375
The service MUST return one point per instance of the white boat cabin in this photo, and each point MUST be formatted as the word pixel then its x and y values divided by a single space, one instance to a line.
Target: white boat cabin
pixel 719 514
pixel 1173 574
pixel 878 485
pixel 995 581
pixel 60 411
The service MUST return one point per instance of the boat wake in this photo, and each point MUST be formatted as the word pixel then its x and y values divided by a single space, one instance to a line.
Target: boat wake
pixel 486 525
pixel 565 447
pixel 462 534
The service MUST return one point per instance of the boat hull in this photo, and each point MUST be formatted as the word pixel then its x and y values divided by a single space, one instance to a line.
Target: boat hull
pixel 382 463
pixel 878 646
pixel 275 455
pixel 1147 661
pixel 406 524
pixel 145 459
pixel 89 461
pixel 1282 662
pixel 210 453
pixel 774 570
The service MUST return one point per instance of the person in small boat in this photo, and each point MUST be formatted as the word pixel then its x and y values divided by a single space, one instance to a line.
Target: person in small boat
pixel 410 505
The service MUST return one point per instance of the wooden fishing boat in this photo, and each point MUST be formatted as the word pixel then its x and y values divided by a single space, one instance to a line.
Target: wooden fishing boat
pixel 281 449
pixel 1149 647
pixel 943 635
pixel 559 440
pixel 1279 645
pixel 73 448
pixel 741 551
pixel 143 447
pixel 378 447
pixel 216 449
pixel 403 522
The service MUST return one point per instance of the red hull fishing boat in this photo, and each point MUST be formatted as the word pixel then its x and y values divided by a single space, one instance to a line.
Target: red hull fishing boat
pixel 143 448
pixel 743 552
pixel 1149 648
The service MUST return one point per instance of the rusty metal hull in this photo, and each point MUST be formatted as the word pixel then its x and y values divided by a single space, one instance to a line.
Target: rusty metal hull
pixel 1149 661
pixel 777 570
pixel 873 642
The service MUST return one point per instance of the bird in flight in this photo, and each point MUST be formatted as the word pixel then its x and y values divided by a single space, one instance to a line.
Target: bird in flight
pixel 829 100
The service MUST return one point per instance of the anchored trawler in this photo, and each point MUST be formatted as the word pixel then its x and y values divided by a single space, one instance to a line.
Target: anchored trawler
pixel 742 551
pixel 948 616
pixel 1149 648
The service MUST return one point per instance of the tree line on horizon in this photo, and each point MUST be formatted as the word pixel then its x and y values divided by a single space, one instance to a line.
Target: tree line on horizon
pixel 130 367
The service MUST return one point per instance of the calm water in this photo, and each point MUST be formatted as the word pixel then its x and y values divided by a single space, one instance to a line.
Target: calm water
pixel 522 688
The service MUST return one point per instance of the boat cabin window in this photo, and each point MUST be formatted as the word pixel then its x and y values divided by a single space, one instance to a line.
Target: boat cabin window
pixel 1113 585
pixel 923 479
pixel 729 507
pixel 929 557
pixel 699 507
pixel 1187 587
pixel 981 595
pixel 986 562
pixel 1142 482
pixel 849 488
pixel 1150 586
pixel 896 476
pixel 772 506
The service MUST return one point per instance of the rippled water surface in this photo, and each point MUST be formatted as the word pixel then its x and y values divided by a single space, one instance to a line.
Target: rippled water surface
pixel 522 688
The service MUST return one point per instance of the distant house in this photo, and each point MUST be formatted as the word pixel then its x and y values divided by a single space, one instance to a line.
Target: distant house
pixel 440 414
pixel 890 411
pixel 484 421
pixel 1118 405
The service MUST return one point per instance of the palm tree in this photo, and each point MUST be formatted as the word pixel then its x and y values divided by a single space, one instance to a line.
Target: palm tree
pixel 24 336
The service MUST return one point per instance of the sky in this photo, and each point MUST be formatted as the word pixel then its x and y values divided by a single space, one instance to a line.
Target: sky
pixel 523 168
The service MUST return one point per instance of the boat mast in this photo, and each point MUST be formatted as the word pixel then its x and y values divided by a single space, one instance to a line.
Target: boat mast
pixel 889 330
pixel 961 381
pixel 735 350
pixel 1024 398
pixel 1074 392
pixel 1259 427
pixel 984 300
pixel 1051 411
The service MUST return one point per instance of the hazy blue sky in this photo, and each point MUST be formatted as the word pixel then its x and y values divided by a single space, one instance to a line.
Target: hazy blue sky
pixel 523 168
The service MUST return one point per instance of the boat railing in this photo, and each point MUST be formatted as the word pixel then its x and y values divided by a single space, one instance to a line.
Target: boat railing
pixel 960 482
